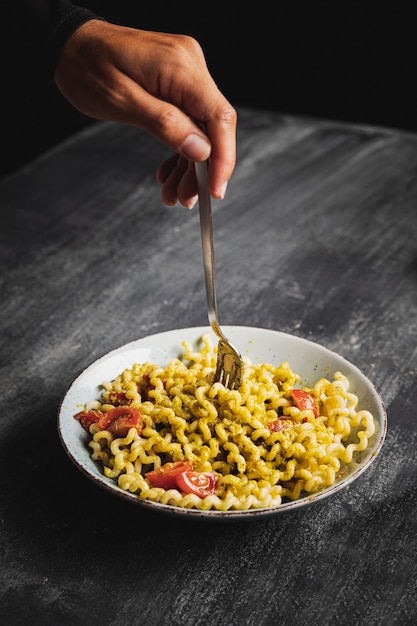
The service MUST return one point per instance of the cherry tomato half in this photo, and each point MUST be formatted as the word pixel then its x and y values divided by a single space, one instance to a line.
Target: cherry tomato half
pixel 120 420
pixel 86 418
pixel 305 400
pixel 279 424
pixel 166 476
pixel 201 484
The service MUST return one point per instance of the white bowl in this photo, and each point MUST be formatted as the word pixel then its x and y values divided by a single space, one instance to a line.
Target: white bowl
pixel 310 360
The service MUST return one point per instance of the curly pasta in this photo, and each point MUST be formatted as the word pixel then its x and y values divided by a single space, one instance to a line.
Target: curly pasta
pixel 262 447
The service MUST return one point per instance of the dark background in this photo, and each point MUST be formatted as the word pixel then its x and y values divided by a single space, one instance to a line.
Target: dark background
pixel 351 61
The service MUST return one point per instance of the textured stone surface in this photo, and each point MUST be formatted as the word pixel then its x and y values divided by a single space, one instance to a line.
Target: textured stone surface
pixel 316 237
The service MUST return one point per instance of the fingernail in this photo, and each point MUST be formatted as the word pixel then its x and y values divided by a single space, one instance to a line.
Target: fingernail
pixel 223 190
pixel 191 202
pixel 195 148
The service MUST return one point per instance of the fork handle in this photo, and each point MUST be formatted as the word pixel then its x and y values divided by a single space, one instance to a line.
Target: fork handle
pixel 206 226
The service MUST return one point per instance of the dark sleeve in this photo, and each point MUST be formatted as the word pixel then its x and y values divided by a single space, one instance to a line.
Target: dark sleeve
pixel 60 19
pixel 43 26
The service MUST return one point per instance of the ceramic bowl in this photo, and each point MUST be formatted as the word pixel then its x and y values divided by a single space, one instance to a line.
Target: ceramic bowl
pixel 308 359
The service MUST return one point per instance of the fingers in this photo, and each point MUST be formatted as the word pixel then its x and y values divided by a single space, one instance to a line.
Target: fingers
pixel 218 146
pixel 159 82
pixel 177 179
pixel 172 89
pixel 178 131
pixel 222 134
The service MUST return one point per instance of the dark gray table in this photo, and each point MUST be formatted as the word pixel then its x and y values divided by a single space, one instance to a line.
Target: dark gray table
pixel 317 237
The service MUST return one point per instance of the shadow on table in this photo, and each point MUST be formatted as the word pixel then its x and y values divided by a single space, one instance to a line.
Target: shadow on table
pixel 41 482
pixel 68 537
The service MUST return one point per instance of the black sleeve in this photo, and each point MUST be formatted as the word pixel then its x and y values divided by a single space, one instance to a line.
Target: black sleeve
pixel 43 26
pixel 60 18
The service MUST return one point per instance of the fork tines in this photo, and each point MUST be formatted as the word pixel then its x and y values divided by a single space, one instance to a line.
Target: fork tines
pixel 229 366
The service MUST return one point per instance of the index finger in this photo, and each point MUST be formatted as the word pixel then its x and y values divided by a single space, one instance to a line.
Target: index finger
pixel 221 131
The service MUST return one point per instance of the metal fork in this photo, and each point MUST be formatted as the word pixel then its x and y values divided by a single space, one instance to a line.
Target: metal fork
pixel 229 362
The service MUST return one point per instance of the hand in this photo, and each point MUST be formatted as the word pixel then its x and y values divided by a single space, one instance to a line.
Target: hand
pixel 159 82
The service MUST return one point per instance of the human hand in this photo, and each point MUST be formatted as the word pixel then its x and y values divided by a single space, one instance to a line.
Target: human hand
pixel 161 83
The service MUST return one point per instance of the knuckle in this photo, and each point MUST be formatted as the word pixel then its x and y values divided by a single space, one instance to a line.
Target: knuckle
pixel 189 43
pixel 228 114
pixel 166 120
pixel 184 48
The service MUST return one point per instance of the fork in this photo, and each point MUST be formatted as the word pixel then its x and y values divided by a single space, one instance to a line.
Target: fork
pixel 229 362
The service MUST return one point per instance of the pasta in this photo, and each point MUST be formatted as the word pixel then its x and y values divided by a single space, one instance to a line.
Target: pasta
pixel 260 445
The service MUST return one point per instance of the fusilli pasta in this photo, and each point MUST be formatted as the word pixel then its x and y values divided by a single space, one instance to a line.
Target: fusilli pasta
pixel 260 443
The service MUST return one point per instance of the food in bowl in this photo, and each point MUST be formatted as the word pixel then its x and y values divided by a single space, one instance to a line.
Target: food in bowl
pixel 172 435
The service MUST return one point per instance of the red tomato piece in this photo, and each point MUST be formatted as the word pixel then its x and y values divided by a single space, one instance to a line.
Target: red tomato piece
pixel 201 484
pixel 166 476
pixel 118 398
pixel 86 418
pixel 279 424
pixel 305 400
pixel 144 387
pixel 120 420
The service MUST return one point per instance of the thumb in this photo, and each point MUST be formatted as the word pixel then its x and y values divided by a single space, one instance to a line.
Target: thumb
pixel 169 125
